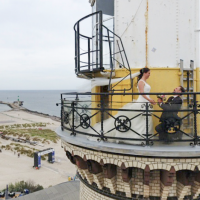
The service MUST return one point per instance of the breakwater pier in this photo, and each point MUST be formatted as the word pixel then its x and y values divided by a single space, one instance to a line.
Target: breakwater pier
pixel 14 105
pixel 17 105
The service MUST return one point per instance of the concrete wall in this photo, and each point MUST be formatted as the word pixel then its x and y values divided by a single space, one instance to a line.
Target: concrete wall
pixel 158 33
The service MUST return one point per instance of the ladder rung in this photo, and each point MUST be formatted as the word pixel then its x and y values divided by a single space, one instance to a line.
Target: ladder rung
pixel 191 88
pixel 190 79
pixel 185 69
pixel 189 127
pixel 190 117
pixel 184 98
pixel 185 124
pixel 185 108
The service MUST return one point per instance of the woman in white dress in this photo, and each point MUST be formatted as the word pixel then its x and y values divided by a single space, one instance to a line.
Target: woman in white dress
pixel 137 121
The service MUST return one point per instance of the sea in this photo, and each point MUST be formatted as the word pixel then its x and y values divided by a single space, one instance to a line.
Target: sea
pixel 43 101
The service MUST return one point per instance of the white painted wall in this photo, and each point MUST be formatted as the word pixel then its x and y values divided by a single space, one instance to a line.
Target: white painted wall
pixel 169 26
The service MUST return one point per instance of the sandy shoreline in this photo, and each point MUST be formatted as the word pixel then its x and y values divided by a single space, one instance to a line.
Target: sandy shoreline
pixel 13 169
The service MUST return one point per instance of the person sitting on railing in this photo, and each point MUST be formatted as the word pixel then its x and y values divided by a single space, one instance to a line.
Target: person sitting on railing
pixel 169 119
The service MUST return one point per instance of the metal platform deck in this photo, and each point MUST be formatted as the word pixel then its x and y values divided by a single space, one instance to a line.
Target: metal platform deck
pixel 159 149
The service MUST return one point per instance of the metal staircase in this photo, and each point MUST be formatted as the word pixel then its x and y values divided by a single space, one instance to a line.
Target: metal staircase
pixel 187 81
pixel 90 52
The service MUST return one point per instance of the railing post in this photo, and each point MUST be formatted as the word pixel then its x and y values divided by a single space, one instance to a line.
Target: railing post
pixel 188 96
pixel 102 116
pixel 61 113
pixel 76 97
pixel 76 67
pixel 147 124
pixel 73 110
pixel 76 103
pixel 195 120
pixel 127 62
pixel 111 63
pixel 110 49
pixel 100 40
pixel 89 54
pixel 78 48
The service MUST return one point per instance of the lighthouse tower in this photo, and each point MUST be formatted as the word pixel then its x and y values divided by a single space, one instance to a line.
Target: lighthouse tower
pixel 125 36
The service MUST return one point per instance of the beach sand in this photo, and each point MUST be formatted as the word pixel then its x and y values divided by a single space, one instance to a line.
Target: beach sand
pixel 14 169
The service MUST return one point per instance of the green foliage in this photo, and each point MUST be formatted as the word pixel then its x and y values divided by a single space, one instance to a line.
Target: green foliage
pixel 40 124
pixel 43 157
pixel 28 137
pixel 24 149
pixel 7 147
pixel 21 185
pixel 29 132
pixel 43 135
pixel 36 139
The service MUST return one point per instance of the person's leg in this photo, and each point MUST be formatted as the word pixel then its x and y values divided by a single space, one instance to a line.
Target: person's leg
pixel 160 131
pixel 159 128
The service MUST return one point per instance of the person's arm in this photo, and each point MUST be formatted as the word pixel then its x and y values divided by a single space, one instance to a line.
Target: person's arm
pixel 160 102
pixel 176 105
pixel 141 90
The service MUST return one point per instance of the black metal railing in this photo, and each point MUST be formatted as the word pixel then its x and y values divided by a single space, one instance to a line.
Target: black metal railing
pixel 131 122
pixel 87 65
pixel 90 51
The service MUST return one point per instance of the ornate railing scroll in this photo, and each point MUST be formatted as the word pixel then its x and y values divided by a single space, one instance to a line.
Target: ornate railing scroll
pixel 137 123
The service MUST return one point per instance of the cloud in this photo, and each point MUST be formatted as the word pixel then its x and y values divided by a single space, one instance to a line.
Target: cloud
pixel 37 43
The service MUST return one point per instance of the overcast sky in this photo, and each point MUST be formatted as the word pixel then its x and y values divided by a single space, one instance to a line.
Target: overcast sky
pixel 37 43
